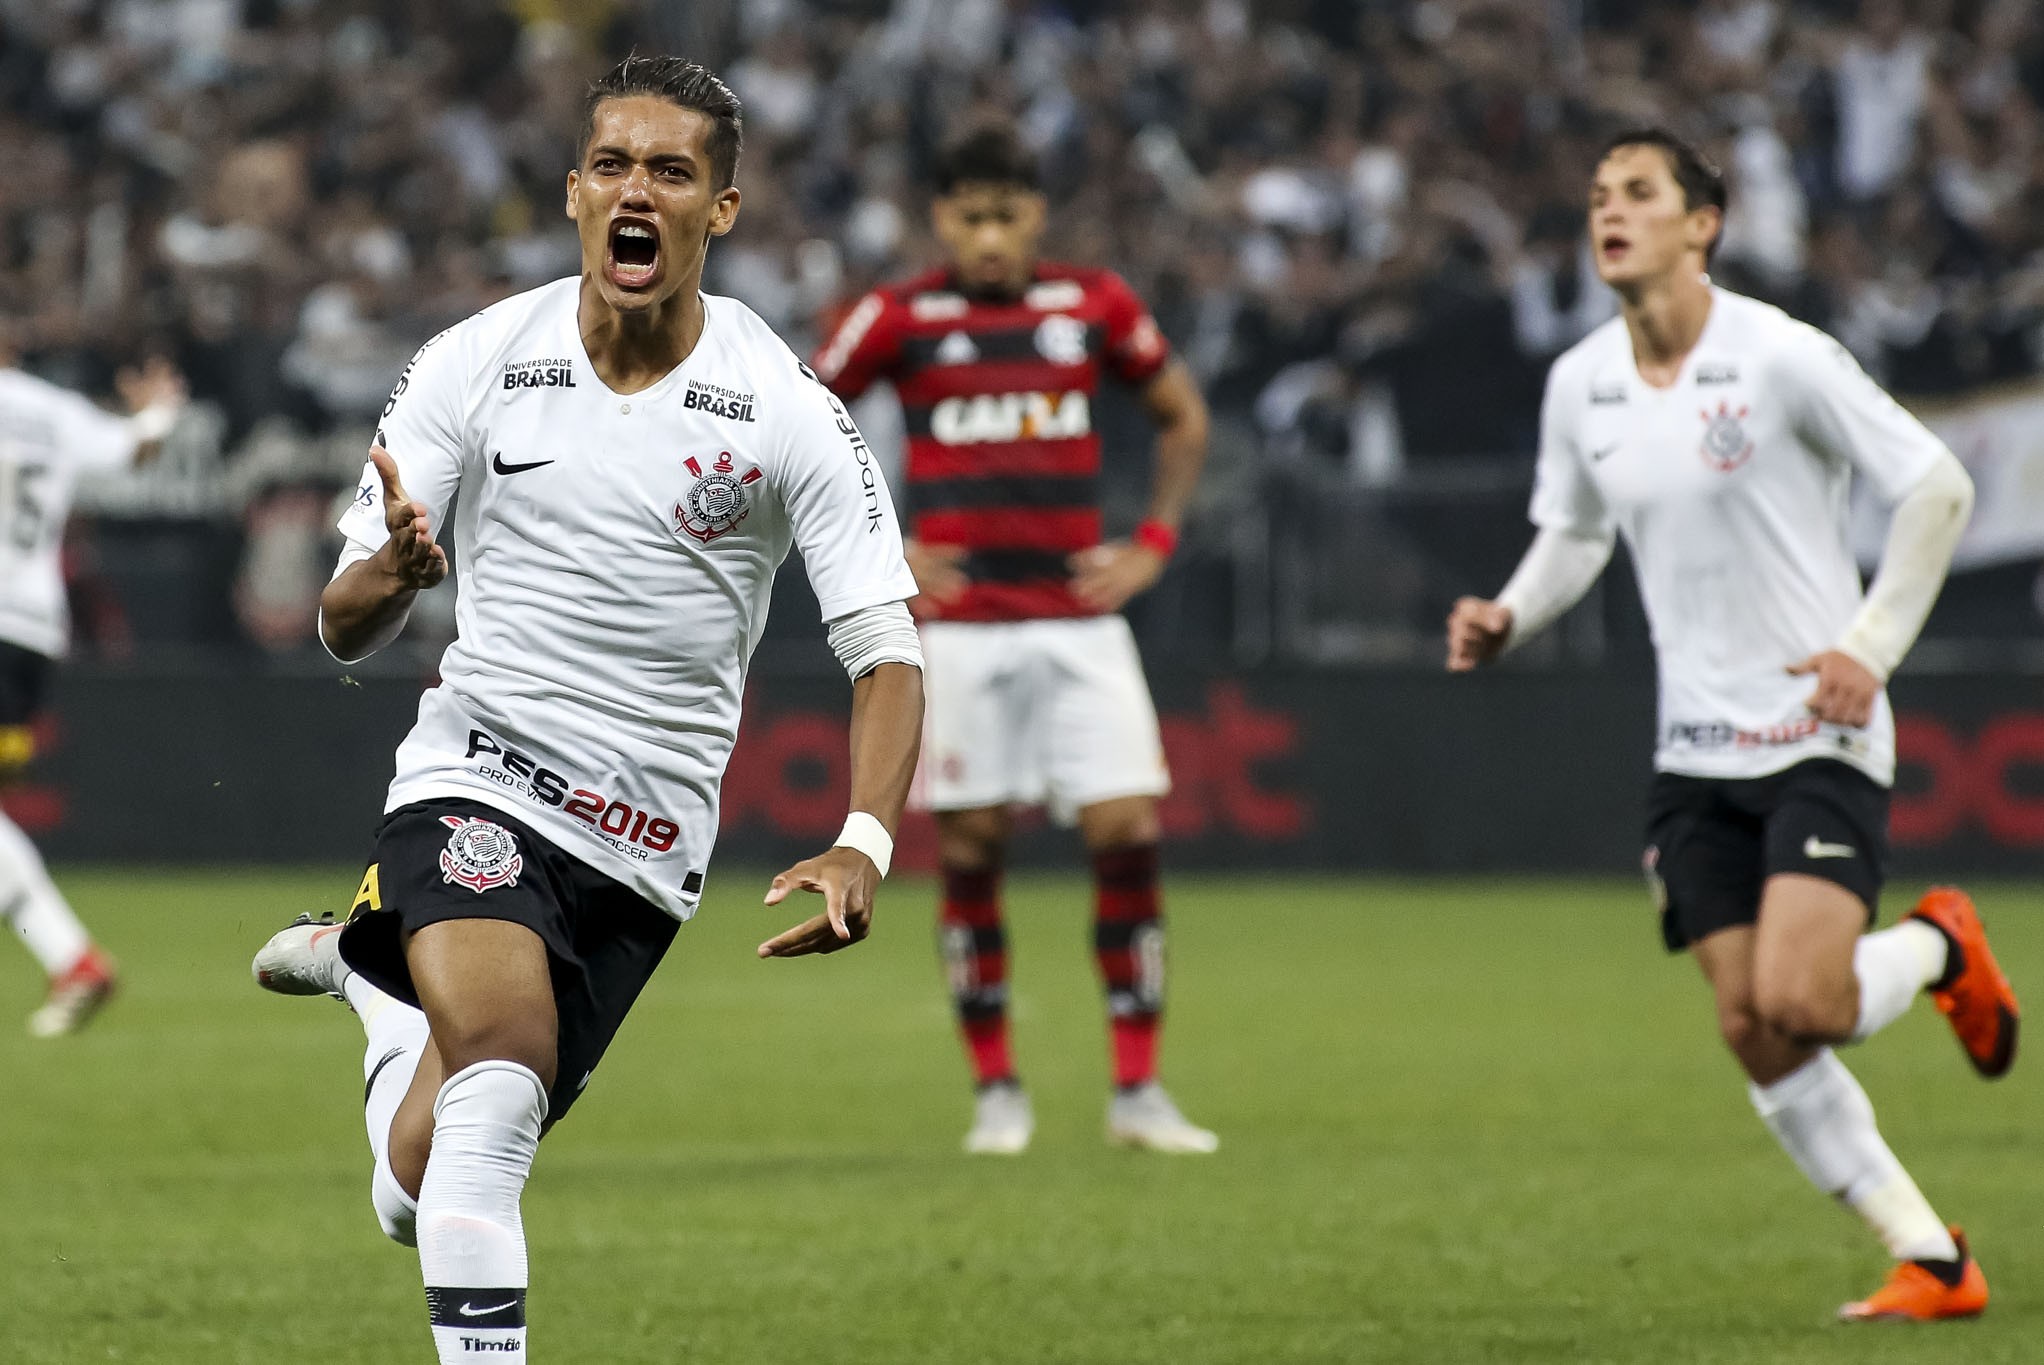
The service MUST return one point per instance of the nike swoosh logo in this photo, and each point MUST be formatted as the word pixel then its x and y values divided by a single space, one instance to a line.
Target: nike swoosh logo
pixel 369 1086
pixel 469 1312
pixel 1603 451
pixel 497 463
pixel 1815 848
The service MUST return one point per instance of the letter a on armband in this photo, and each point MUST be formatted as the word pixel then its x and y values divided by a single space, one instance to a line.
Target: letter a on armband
pixel 369 895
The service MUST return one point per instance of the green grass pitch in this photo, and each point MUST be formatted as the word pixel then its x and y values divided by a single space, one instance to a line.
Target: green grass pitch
pixel 1472 1121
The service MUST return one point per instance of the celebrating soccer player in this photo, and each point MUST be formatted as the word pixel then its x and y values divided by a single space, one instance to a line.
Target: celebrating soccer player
pixel 1720 437
pixel 632 459
pixel 1036 691
pixel 48 436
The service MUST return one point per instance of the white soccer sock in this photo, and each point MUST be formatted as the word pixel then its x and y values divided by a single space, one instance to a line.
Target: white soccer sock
pixel 369 1001
pixel 471 1238
pixel 1825 1122
pixel 1893 966
pixel 396 1039
pixel 32 903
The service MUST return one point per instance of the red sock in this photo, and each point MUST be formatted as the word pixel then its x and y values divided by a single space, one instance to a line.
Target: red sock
pixel 1128 941
pixel 975 950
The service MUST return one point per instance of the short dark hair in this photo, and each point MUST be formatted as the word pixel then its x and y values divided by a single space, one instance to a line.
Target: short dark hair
pixel 987 154
pixel 1702 182
pixel 684 84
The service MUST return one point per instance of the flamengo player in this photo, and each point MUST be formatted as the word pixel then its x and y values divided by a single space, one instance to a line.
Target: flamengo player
pixel 553 809
pixel 1036 691
pixel 1720 437
pixel 48 436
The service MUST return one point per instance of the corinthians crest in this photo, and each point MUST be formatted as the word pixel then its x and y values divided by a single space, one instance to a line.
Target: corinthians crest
pixel 479 854
pixel 717 501
pixel 1725 443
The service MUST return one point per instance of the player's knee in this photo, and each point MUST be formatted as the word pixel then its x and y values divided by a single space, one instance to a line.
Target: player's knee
pixel 397 1213
pixel 487 1121
pixel 972 840
pixel 1739 1024
pixel 1128 823
pixel 532 1044
pixel 494 1092
pixel 1799 1008
pixel 967 855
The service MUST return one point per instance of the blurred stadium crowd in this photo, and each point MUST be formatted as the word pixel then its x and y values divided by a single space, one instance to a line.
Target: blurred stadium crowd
pixel 1350 215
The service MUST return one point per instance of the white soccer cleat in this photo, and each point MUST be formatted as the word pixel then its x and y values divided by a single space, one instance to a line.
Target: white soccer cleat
pixel 75 996
pixel 1002 1121
pixel 1144 1117
pixel 303 959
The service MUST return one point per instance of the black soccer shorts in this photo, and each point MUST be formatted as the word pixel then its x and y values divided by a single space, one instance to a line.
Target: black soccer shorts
pixel 455 859
pixel 24 681
pixel 1713 842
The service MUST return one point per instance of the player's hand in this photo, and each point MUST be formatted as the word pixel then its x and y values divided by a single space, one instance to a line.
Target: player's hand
pixel 847 879
pixel 1107 576
pixel 156 382
pixel 1846 689
pixel 1477 630
pixel 411 555
pixel 938 570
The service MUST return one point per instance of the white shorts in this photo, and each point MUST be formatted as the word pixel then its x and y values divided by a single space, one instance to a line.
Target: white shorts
pixel 1052 713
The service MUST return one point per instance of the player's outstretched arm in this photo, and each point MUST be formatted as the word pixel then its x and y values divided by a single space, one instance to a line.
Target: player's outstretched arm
pixel 887 727
pixel 1107 576
pixel 365 605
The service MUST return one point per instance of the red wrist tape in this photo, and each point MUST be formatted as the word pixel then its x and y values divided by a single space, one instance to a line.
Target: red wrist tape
pixel 1155 535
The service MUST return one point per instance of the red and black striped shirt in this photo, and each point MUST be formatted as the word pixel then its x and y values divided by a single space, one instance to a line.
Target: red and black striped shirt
pixel 998 395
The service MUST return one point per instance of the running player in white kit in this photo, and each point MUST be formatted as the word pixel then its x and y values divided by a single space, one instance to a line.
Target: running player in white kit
pixel 632 459
pixel 1720 437
pixel 48 437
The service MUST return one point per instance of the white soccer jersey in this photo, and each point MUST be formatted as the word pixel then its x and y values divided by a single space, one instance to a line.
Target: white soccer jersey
pixel 1730 488
pixel 616 555
pixel 48 436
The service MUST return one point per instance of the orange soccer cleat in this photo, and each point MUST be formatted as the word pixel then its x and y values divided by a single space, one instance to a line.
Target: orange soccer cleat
pixel 1916 1293
pixel 1974 995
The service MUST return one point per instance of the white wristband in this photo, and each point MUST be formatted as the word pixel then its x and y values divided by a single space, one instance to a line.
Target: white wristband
pixel 865 833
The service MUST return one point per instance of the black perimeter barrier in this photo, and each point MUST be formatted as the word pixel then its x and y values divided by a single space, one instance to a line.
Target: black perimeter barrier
pixel 1389 771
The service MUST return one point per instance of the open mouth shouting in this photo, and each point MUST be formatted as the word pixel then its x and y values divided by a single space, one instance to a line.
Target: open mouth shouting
pixel 1613 247
pixel 633 261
